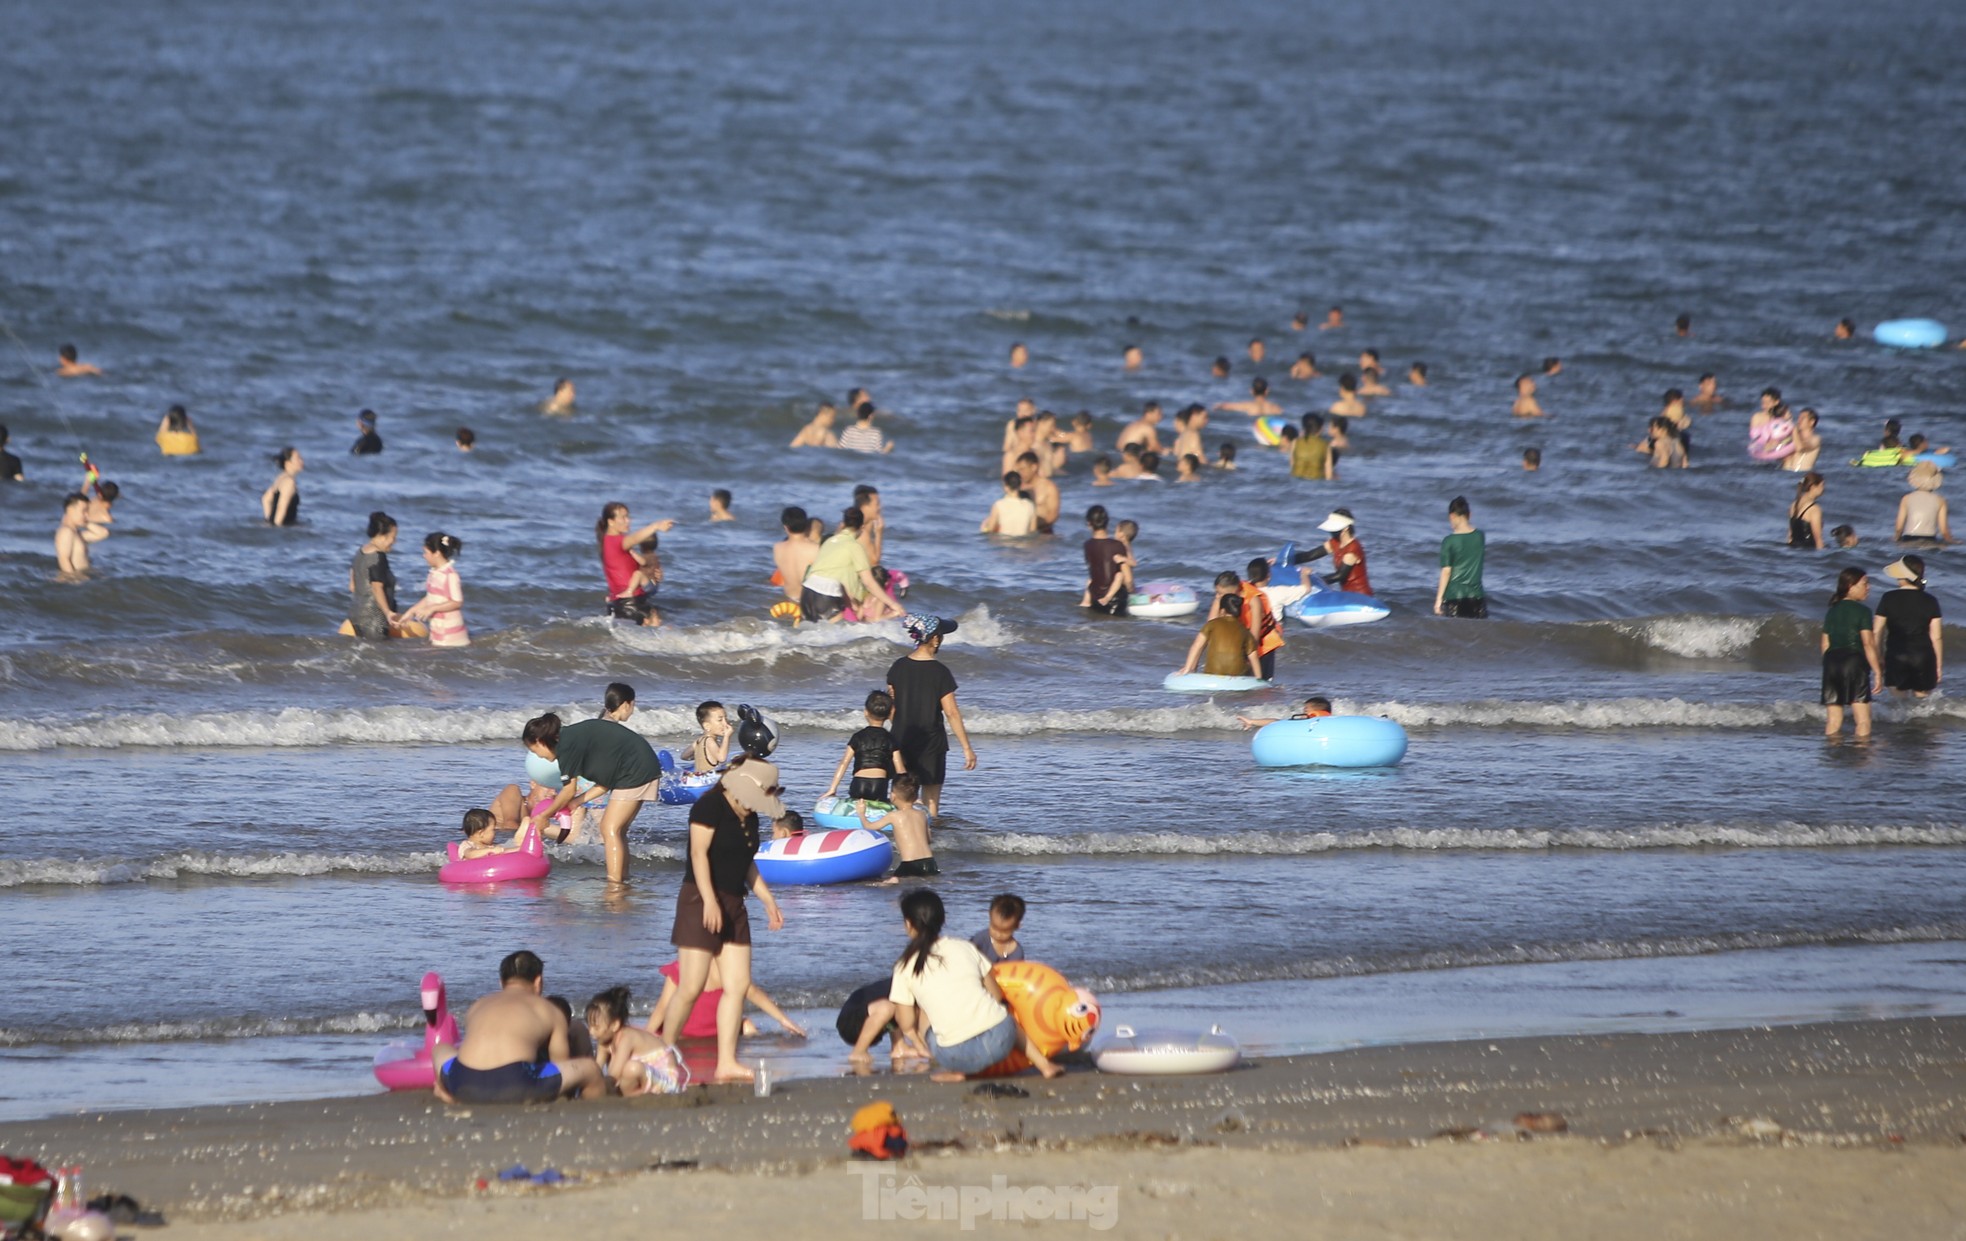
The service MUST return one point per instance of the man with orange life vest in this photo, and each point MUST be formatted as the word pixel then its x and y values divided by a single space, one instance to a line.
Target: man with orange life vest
pixel 1260 617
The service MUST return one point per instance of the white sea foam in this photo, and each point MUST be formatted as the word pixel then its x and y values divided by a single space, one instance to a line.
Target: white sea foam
pixel 102 871
pixel 758 640
pixel 405 725
pixel 16 873
pixel 1695 637
pixel 1455 839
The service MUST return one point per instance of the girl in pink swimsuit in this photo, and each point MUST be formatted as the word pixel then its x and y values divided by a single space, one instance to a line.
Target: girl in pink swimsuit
pixel 442 604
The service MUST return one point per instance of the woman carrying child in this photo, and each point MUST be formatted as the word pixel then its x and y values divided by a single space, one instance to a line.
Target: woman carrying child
pixel 942 987
pixel 628 577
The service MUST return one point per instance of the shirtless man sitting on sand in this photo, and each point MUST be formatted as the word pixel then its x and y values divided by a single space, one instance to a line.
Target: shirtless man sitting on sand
pixel 793 554
pixel 515 1046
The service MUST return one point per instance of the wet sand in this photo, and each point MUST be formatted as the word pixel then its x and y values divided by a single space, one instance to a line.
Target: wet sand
pixel 1842 1129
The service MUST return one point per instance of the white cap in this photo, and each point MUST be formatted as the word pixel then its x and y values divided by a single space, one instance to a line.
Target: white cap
pixel 1336 522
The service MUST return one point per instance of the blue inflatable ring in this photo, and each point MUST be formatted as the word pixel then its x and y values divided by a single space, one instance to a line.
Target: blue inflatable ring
pixel 1329 741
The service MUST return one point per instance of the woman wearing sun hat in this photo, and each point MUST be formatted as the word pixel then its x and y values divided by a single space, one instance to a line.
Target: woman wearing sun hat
pixel 1347 553
pixel 1922 512
pixel 1909 630
pixel 924 692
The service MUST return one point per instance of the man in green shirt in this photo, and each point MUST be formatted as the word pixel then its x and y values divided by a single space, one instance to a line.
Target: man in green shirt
pixel 1460 591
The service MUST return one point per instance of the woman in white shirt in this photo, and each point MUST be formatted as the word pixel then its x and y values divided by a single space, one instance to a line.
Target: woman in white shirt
pixel 943 984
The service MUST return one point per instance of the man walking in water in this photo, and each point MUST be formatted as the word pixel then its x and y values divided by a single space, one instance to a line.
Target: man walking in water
pixel 924 691
pixel 515 1047
pixel 1460 592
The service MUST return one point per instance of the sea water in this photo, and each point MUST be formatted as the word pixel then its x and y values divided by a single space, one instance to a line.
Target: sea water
pixel 217 878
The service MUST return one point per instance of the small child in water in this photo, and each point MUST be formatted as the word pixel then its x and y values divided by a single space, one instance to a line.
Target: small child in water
pixel 618 1046
pixel 649 576
pixel 787 825
pixel 910 826
pixel 999 943
pixel 711 750
pixel 720 505
pixel 871 755
pixel 479 835
pixel 1225 458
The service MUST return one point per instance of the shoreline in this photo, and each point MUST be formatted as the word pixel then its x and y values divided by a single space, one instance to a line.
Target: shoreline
pixel 1868 1084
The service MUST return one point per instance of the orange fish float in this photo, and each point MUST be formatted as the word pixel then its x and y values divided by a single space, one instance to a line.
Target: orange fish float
pixel 1052 1013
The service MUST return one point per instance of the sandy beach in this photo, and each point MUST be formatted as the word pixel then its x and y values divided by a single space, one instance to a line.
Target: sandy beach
pixel 1844 1129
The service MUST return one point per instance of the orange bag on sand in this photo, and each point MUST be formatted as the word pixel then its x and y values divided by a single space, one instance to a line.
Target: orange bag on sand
pixel 877 1133
pixel 1050 1011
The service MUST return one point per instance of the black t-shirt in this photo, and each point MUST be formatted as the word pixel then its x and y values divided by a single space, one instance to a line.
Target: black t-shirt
pixel 872 747
pixel 1099 557
pixel 612 755
pixel 1908 615
pixel 367 444
pixel 733 842
pixel 9 466
pixel 919 686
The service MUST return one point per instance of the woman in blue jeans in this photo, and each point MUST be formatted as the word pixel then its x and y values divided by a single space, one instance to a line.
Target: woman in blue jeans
pixel 943 984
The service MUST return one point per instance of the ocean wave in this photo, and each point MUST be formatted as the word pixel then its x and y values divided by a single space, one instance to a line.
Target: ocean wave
pixel 750 639
pixel 1696 637
pixel 1453 839
pixel 114 870
pixel 406 725
pixel 105 871
pixel 213 1028
pixel 1303 970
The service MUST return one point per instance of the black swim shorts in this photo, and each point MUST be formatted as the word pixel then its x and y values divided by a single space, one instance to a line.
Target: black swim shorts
pixel 817 607
pixel 520 1082
pixel 635 608
pixel 867 788
pixel 1846 677
pixel 1465 609
pixel 920 868
pixel 928 766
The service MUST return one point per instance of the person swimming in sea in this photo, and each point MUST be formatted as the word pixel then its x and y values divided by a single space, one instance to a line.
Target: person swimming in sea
pixel 560 404
pixel 68 365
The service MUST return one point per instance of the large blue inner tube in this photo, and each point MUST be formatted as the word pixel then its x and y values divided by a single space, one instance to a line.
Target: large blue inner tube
pixel 1329 741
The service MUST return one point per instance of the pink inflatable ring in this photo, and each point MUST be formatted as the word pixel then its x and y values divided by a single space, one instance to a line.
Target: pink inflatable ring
pixel 528 861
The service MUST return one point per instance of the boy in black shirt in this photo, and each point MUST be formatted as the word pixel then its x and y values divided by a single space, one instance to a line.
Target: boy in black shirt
pixel 870 754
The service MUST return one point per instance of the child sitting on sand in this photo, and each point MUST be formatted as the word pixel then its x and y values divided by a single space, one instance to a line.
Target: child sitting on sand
pixel 711 750
pixel 871 755
pixel 999 943
pixel 618 1046
pixel 479 831
pixel 910 826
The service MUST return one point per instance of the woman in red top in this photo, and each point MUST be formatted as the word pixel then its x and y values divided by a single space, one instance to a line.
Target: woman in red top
pixel 628 591
pixel 1347 553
